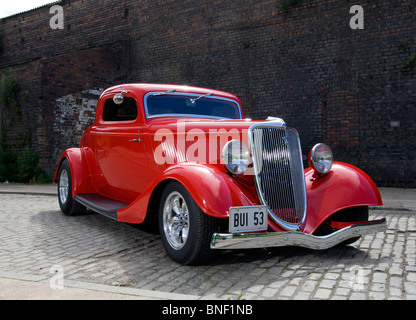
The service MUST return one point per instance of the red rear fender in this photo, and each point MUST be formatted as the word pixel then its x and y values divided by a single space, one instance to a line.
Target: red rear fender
pixel 81 181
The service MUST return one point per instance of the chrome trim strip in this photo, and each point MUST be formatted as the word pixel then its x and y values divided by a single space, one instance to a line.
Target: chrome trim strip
pixel 293 238
pixel 180 115
pixel 155 93
pixel 253 148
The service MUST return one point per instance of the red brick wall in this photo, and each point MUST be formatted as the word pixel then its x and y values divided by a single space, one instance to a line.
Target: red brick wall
pixel 340 116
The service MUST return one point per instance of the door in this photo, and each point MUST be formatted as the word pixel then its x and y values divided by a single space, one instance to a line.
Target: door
pixel 120 151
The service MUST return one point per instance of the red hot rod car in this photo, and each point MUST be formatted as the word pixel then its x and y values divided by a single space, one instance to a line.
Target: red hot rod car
pixel 215 180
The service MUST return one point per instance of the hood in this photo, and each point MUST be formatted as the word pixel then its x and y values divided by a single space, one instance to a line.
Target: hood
pixel 201 140
pixel 175 124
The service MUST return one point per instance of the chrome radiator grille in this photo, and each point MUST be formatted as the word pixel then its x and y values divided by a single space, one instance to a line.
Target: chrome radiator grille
pixel 279 174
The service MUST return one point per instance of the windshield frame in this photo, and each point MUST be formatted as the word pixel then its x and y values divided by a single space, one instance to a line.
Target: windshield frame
pixel 195 95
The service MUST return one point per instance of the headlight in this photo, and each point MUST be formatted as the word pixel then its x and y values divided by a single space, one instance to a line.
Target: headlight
pixel 236 156
pixel 321 158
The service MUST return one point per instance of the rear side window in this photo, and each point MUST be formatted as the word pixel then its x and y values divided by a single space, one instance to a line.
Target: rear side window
pixel 127 111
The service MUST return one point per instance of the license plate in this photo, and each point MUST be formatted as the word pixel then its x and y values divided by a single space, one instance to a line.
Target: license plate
pixel 248 219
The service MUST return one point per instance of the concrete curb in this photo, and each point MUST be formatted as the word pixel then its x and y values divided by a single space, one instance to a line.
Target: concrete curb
pixel 32 287
pixel 30 189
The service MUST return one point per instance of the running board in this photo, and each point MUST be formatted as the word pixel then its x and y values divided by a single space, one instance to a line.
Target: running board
pixel 102 205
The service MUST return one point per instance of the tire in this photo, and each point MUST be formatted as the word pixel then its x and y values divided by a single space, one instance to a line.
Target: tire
pixel 67 204
pixel 185 229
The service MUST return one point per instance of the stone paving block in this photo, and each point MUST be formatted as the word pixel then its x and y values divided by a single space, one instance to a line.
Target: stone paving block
pixel 288 290
pixel 322 294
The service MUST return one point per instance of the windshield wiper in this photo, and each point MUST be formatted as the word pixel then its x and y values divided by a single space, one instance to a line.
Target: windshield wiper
pixel 164 93
pixel 200 97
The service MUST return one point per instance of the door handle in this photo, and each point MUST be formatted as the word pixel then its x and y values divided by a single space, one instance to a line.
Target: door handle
pixel 136 140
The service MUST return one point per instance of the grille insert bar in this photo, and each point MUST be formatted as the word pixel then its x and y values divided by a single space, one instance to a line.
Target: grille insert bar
pixel 279 173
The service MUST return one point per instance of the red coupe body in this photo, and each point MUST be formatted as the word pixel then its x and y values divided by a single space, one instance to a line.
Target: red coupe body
pixel 163 149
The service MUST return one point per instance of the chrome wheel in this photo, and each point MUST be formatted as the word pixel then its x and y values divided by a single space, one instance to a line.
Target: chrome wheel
pixel 185 230
pixel 63 186
pixel 176 220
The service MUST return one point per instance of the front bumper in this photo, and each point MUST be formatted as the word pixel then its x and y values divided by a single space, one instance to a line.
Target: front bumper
pixel 294 238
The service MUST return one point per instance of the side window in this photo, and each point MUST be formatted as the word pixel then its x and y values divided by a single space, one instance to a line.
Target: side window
pixel 127 111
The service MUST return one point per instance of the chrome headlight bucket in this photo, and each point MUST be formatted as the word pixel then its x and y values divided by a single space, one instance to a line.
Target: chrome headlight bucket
pixel 321 158
pixel 236 156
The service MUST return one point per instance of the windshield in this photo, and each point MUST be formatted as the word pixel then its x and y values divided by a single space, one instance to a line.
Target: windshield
pixel 159 104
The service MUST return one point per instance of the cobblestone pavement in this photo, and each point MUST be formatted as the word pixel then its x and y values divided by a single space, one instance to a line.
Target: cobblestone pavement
pixel 36 238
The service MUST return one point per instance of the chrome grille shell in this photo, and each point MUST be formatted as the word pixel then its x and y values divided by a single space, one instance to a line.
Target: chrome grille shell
pixel 279 173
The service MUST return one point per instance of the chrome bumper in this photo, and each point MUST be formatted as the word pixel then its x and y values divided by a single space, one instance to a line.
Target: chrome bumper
pixel 294 238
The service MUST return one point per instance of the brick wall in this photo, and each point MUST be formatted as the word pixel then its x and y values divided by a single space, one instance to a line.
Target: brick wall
pixel 72 115
pixel 353 89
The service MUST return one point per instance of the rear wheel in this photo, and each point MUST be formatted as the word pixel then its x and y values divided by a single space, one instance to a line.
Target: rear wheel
pixel 185 229
pixel 67 204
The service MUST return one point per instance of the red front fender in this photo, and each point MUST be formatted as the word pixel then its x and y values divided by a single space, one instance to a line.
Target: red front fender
pixel 213 190
pixel 343 187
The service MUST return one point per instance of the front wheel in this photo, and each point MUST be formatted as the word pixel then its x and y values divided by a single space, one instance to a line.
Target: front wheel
pixel 185 229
